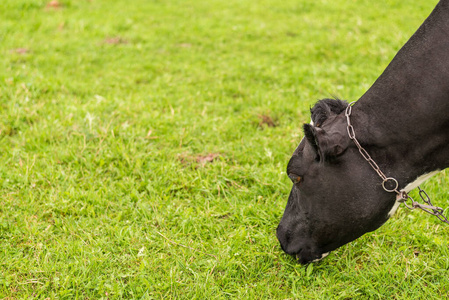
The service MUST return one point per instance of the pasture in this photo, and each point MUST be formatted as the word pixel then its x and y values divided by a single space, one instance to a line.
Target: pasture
pixel 144 143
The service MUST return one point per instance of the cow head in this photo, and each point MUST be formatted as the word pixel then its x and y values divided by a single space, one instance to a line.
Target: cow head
pixel 336 196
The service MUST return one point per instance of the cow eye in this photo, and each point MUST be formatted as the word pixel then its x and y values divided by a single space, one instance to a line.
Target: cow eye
pixel 294 178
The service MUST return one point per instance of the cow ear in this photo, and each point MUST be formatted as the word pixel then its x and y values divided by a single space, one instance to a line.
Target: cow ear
pixel 325 144
pixel 310 134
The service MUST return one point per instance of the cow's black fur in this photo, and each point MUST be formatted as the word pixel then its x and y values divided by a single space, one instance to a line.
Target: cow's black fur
pixel 402 121
pixel 324 108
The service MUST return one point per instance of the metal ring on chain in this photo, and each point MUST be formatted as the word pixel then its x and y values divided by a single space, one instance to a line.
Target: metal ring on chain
pixel 390 179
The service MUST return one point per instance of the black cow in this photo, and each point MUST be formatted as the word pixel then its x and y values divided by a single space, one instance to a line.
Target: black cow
pixel 403 123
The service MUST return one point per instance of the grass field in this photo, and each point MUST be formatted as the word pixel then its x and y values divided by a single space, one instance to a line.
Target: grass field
pixel 144 143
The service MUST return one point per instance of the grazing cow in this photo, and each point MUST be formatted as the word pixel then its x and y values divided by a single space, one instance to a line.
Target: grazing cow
pixel 402 125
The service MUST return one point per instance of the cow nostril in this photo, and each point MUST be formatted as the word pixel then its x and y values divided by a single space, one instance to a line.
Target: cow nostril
pixel 280 233
pixel 284 236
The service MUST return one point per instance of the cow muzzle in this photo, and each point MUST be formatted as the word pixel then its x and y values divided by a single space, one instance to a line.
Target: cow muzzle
pixel 302 249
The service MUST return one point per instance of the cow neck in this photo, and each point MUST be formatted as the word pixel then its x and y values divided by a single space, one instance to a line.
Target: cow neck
pixel 402 119
pixel 402 150
pixel 391 184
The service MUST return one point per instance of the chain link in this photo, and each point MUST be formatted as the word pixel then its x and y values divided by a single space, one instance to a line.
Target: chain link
pixel 402 196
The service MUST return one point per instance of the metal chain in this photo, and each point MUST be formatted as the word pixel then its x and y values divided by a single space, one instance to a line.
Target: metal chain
pixel 428 207
pixel 390 184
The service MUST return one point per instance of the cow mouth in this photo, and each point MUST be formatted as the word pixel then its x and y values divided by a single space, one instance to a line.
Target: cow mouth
pixel 323 255
pixel 305 259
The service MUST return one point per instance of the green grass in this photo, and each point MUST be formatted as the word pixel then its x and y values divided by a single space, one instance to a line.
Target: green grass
pixel 137 160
